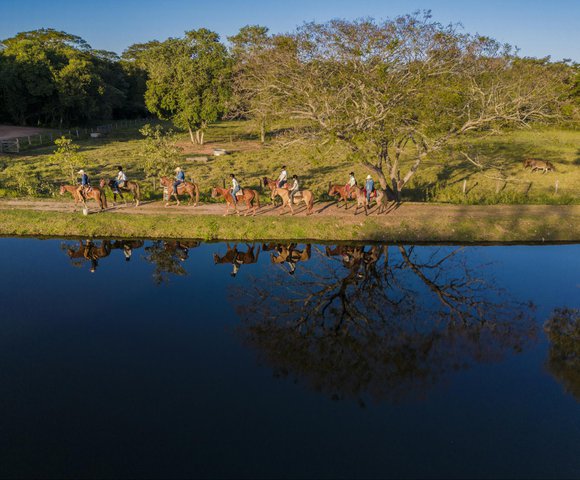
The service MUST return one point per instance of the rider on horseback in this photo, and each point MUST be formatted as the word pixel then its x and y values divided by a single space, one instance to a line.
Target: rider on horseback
pixel 235 187
pixel 283 177
pixel 351 184
pixel 85 183
pixel 369 187
pixel 179 179
pixel 121 179
pixel 294 188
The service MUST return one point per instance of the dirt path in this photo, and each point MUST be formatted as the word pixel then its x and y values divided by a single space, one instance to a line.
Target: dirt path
pixel 419 212
pixel 10 131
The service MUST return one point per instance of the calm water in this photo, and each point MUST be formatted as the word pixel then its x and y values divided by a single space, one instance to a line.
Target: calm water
pixel 168 359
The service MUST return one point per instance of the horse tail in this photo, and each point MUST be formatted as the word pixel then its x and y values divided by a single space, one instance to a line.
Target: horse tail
pixel 257 197
pixel 311 202
pixel 104 199
pixel 137 191
pixel 196 194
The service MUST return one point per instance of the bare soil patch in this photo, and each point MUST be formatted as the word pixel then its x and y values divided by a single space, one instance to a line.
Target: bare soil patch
pixel 10 131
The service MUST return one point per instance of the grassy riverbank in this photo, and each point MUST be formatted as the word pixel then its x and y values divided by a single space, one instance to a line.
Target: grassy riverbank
pixel 415 223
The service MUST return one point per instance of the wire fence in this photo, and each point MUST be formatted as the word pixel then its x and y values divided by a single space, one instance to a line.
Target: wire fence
pixel 25 142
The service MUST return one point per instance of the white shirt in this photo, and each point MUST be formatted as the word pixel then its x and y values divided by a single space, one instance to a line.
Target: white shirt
pixel 235 183
pixel 294 186
pixel 352 181
pixel 283 176
pixel 121 177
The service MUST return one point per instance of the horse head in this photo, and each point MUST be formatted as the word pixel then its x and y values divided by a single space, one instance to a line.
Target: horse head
pixel 62 190
pixel 216 258
pixel 102 183
pixel 332 190
pixel 214 192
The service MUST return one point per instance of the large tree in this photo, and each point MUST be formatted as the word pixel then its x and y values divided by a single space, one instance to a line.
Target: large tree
pixel 251 48
pixel 407 88
pixel 189 81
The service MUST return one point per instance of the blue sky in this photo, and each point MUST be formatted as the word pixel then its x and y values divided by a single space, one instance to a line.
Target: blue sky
pixel 538 27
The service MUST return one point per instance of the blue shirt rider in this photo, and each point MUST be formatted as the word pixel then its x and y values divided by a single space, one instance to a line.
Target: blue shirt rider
pixel 179 179
pixel 369 187
pixel 85 183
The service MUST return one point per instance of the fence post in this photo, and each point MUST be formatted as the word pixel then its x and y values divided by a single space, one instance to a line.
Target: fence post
pixel 29 141
pixel 464 186
pixel 77 132
pixel 556 187
pixel 17 145
pixel 40 138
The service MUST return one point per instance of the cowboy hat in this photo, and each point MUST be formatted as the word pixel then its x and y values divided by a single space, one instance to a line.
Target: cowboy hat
pixel 177 169
pixel 81 171
pixel 369 177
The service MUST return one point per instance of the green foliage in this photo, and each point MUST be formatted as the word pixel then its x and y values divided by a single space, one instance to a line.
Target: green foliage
pixel 49 77
pixel 67 156
pixel 160 152
pixel 188 81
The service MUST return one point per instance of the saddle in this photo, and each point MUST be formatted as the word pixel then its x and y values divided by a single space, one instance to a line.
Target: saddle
pixel 240 193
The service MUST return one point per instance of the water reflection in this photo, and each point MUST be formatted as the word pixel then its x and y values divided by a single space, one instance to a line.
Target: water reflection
pixel 288 254
pixel 382 321
pixel 563 362
pixel 168 257
pixel 354 321
pixel 236 258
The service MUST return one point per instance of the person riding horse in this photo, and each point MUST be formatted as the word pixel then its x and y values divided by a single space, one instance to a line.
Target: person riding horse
pixel 283 177
pixel 235 187
pixel 179 179
pixel 121 179
pixel 85 183
pixel 369 187
pixel 351 184
pixel 294 188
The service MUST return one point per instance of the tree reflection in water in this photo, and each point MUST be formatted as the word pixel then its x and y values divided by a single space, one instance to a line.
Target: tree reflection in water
pixel 380 321
pixel 563 331
pixel 168 256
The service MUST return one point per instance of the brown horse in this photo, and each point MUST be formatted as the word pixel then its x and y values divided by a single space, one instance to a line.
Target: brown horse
pixel 130 187
pixel 90 251
pixel 305 196
pixel 245 194
pixel 272 185
pixel 291 255
pixel 184 188
pixel 355 192
pixel 236 258
pixel 94 193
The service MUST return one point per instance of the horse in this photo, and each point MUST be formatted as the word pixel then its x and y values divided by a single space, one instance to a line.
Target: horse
pixel 91 252
pixel 303 195
pixel 291 255
pixel 183 188
pixel 541 165
pixel 236 258
pixel 130 186
pixel 89 193
pixel 272 185
pixel 355 192
pixel 247 195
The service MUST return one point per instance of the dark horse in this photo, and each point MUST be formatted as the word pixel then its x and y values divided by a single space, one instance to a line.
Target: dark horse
pixel 130 187
pixel 184 188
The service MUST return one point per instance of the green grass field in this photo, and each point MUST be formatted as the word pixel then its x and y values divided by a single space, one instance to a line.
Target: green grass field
pixel 440 178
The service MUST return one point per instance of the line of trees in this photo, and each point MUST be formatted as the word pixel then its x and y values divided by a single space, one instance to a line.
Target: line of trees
pixel 381 89
pixel 52 78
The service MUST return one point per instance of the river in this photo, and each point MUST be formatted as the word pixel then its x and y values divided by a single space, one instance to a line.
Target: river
pixel 183 359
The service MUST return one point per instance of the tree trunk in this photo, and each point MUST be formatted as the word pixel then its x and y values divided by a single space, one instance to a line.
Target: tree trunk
pixel 191 135
pixel 263 131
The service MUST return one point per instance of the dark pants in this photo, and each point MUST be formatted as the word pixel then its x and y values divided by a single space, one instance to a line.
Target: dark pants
pixel 175 185
pixel 281 183
pixel 369 196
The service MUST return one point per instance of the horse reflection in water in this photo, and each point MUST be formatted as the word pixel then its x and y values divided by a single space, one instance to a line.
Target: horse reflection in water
pixel 93 251
pixel 383 322
pixel 237 258
pixel 289 254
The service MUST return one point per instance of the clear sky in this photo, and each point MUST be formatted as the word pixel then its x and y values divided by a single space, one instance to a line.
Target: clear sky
pixel 538 27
